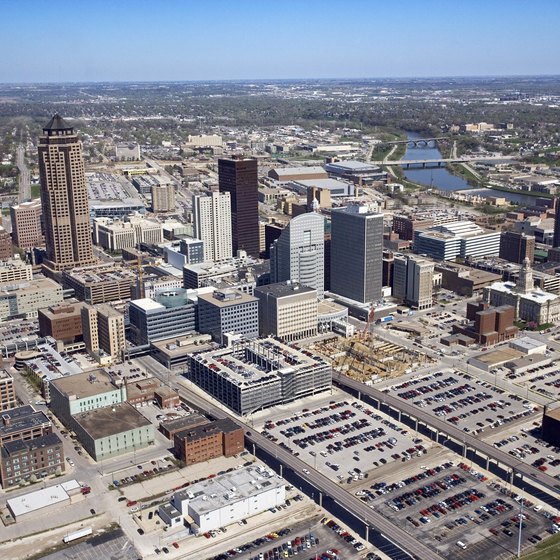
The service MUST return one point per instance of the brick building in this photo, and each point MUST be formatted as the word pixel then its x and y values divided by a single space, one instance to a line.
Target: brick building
pixel 208 441
pixel 8 398
pixel 39 457
pixel 62 322
pixel 23 423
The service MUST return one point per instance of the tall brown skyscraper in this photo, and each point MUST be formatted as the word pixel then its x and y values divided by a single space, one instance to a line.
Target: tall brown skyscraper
pixel 64 197
pixel 239 178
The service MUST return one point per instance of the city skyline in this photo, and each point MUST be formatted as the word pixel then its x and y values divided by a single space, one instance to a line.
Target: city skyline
pixel 257 41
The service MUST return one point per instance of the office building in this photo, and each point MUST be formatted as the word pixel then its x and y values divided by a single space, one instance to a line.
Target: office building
pixel 163 198
pixel 169 314
pixel 7 391
pixel 230 497
pixel 15 271
pixel 220 438
pixel 193 249
pixel 239 178
pixel 23 461
pixel 23 423
pixel 64 197
pixel 103 332
pixel 228 312
pixel 530 303
pixel 287 311
pixel 298 254
pixel 357 253
pixel 26 224
pixel 413 281
pixel 24 300
pixel 516 247
pixel 100 283
pixel 62 322
pixel 257 374
pixel 457 239
pixel 551 426
pixel 212 224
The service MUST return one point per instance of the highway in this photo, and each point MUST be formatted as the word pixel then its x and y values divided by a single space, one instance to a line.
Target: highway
pixel 326 486
pixel 24 182
pixel 460 159
pixel 483 448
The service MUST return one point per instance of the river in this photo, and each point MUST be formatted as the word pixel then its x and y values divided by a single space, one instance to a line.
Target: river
pixel 440 178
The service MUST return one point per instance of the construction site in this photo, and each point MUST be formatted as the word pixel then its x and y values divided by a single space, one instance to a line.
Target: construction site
pixel 367 356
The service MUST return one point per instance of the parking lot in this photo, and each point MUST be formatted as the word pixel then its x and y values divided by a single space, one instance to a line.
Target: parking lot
pixel 344 440
pixel 526 445
pixel 544 380
pixel 451 506
pixel 470 404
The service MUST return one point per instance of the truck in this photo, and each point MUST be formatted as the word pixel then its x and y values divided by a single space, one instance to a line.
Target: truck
pixel 77 535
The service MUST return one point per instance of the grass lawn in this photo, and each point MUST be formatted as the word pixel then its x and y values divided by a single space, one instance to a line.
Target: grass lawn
pixel 547 550
pixel 35 191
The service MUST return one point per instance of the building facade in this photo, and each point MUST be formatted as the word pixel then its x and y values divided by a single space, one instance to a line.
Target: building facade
pixel 103 331
pixel 8 398
pixel 288 311
pixel 25 300
pixel 64 197
pixel 15 271
pixel 299 253
pixel 413 281
pixel 26 224
pixel 239 178
pixel 163 198
pixel 62 322
pixel 357 253
pixel 169 315
pixel 228 311
pixel 516 247
pixel 212 224
pixel 257 374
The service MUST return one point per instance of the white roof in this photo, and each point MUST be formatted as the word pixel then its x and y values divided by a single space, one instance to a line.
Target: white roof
pixel 147 304
pixel 39 499
pixel 535 295
pixel 298 170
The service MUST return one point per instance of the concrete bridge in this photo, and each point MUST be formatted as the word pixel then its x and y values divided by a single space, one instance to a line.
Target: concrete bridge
pixel 407 163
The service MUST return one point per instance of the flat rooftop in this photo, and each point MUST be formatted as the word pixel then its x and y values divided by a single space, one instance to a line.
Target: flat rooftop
pixel 34 501
pixel 555 413
pixel 233 297
pixel 21 419
pixel 235 486
pixel 184 423
pixel 101 273
pixel 110 420
pixel 283 289
pixel 237 363
pixel 48 440
pixel 496 357
pixel 283 171
pixel 528 343
pixel 86 384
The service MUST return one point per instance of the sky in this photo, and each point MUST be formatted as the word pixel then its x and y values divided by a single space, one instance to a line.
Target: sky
pixel 176 40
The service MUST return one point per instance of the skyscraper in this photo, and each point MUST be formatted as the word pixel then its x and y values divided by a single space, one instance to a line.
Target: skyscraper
pixel 516 247
pixel 212 224
pixel 556 239
pixel 64 197
pixel 239 178
pixel 357 253
pixel 299 253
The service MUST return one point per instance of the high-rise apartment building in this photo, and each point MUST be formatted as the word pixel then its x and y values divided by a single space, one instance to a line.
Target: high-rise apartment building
pixel 357 253
pixel 212 224
pixel 64 197
pixel 5 245
pixel 556 238
pixel 239 178
pixel 163 198
pixel 516 247
pixel 26 224
pixel 413 280
pixel 299 253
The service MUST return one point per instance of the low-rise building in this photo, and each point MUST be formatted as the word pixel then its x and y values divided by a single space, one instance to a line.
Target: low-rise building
pixel 62 322
pixel 170 427
pixel 166 397
pixel 23 460
pixel 230 497
pixel 221 438
pixel 15 271
pixel 100 283
pixel 23 423
pixel 112 431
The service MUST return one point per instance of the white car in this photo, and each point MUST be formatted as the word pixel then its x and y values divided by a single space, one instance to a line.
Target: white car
pixel 70 462
pixel 305 471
